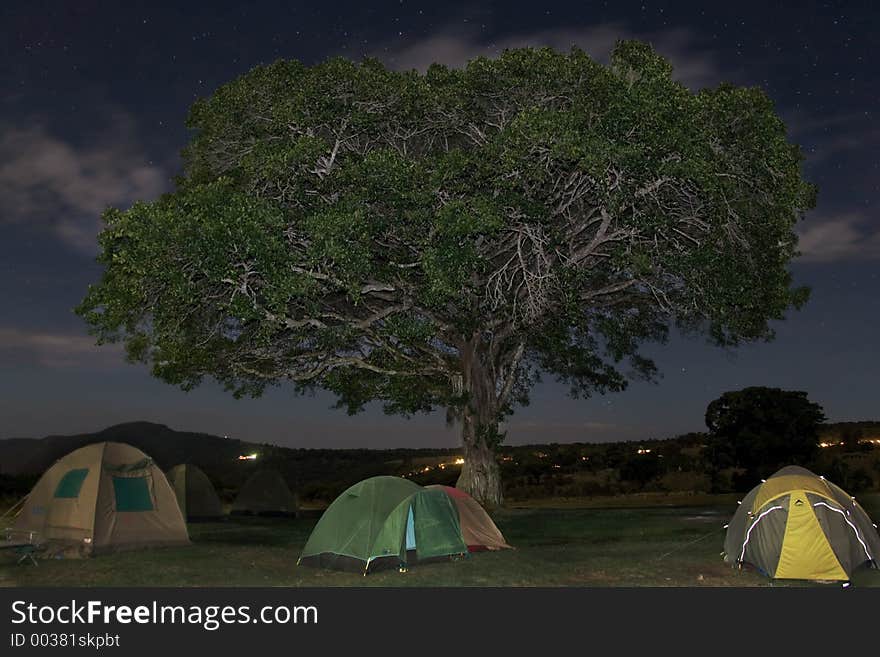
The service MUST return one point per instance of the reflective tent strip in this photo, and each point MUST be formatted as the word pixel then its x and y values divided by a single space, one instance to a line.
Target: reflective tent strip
pixel 852 526
pixel 752 526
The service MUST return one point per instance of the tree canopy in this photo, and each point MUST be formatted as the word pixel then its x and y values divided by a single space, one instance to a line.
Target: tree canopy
pixel 440 239
pixel 761 430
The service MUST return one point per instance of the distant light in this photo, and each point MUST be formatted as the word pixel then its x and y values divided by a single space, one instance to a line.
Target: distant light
pixel 458 461
pixel 248 457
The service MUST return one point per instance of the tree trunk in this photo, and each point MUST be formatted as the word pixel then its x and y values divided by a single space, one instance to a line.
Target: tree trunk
pixel 480 475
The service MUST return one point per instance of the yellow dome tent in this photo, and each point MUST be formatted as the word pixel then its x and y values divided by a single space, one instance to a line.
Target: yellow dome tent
pixel 796 525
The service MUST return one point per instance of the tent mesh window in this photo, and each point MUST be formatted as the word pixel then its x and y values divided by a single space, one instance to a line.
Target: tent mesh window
pixel 133 494
pixel 71 483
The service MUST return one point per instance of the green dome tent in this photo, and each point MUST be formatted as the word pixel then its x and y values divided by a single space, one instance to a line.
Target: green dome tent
pixel 382 522
pixel 265 493
pixel 195 493
pixel 796 525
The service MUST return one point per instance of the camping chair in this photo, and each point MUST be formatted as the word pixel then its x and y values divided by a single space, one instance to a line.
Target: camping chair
pixel 25 548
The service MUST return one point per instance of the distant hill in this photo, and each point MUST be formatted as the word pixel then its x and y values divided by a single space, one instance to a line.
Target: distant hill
pixel 22 456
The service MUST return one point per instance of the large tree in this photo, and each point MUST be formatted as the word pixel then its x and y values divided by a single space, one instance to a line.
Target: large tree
pixel 762 429
pixel 439 239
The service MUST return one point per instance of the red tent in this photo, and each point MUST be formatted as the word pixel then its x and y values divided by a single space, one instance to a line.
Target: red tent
pixel 477 529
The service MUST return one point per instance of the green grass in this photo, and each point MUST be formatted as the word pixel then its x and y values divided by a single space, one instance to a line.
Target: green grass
pixel 647 546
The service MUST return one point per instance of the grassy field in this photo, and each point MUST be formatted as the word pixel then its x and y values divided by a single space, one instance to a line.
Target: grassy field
pixel 574 545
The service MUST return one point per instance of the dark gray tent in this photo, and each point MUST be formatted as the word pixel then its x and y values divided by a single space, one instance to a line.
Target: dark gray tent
pixel 265 493
pixel 195 493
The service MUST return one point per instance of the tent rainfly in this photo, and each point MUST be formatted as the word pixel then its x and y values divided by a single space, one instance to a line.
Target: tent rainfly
pixel 384 522
pixel 195 493
pixel 101 498
pixel 265 493
pixel 477 529
pixel 796 525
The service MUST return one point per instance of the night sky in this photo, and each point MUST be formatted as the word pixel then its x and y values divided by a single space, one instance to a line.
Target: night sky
pixel 92 108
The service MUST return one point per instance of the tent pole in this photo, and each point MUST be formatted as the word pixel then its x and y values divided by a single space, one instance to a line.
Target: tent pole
pixel 9 511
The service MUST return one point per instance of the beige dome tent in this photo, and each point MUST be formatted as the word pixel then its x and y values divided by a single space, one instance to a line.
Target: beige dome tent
pixel 195 493
pixel 265 493
pixel 100 498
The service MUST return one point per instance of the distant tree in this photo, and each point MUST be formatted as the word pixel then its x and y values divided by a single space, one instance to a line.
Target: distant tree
pixel 567 457
pixel 438 240
pixel 641 468
pixel 762 429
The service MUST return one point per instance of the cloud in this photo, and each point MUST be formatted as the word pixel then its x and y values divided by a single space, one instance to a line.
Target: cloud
pixel 828 136
pixel 694 65
pixel 55 184
pixel 843 142
pixel 55 350
pixel 848 237
pixel 801 123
